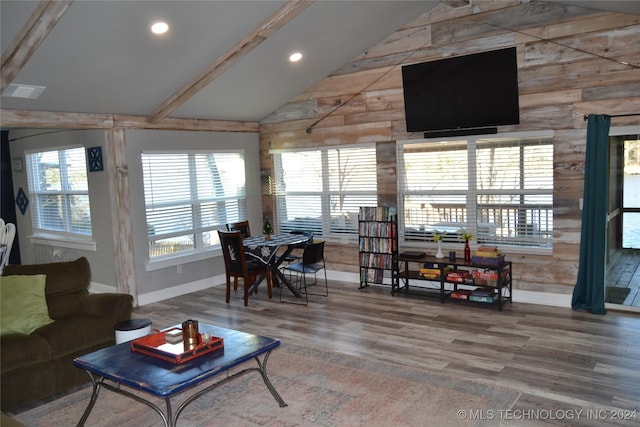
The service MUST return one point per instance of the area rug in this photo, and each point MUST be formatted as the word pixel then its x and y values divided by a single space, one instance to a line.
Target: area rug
pixel 617 295
pixel 321 389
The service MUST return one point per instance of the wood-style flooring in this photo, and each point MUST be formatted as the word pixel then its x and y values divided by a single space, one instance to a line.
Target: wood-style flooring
pixel 625 273
pixel 559 359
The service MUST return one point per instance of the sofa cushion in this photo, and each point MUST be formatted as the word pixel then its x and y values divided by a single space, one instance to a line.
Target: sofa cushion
pixel 23 307
pixel 67 283
pixel 22 350
pixel 77 333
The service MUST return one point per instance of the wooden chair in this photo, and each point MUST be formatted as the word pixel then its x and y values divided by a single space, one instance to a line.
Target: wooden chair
pixel 237 265
pixel 242 226
pixel 312 262
pixel 7 235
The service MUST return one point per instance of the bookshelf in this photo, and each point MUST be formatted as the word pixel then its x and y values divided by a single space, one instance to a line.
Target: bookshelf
pixel 378 245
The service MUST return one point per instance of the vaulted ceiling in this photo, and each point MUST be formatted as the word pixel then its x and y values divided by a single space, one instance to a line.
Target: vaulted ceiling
pixel 220 60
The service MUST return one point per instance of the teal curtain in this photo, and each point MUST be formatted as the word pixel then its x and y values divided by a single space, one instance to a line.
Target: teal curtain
pixel 588 293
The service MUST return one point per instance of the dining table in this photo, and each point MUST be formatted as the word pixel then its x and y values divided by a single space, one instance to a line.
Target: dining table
pixel 267 249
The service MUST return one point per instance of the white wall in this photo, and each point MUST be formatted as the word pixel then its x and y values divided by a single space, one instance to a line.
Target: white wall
pixel 102 258
pixel 138 140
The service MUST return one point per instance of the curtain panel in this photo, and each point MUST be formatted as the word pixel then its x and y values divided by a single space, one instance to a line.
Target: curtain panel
pixel 588 293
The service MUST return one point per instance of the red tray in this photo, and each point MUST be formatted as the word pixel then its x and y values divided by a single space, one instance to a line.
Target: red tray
pixel 155 345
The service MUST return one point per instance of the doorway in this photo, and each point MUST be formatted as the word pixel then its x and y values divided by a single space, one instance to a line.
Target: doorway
pixel 623 227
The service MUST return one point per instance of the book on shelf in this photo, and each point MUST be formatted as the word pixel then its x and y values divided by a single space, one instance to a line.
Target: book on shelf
pixel 374 260
pixel 378 213
pixel 488 261
pixel 458 276
pixel 487 252
pixel 485 248
pixel 483 291
pixel 481 298
pixel 462 294
pixel 370 275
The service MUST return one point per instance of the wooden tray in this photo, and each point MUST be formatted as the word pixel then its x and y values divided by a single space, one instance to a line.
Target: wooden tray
pixel 155 345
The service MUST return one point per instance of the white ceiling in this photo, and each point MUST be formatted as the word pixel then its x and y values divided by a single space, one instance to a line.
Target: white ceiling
pixel 101 58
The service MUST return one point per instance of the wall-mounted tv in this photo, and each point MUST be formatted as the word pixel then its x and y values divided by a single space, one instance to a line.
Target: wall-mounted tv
pixel 471 91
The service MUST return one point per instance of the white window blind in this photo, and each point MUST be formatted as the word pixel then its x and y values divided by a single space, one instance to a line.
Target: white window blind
pixel 498 189
pixel 59 191
pixel 189 196
pixel 322 190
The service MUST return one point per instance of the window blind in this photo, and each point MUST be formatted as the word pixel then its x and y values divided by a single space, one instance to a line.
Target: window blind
pixel 498 189
pixel 59 190
pixel 189 196
pixel 322 190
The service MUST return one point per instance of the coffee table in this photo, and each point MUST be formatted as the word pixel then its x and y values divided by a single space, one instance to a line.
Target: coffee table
pixel 124 367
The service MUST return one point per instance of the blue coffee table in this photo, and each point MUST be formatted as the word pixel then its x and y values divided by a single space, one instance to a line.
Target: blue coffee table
pixel 122 366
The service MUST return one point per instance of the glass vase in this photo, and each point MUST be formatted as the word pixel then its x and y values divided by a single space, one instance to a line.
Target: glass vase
pixel 439 254
pixel 467 252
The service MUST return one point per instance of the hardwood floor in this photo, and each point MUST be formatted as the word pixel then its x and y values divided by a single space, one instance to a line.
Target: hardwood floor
pixel 559 359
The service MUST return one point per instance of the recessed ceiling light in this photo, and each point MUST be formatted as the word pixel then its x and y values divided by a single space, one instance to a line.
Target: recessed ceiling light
pixel 295 57
pixel 159 28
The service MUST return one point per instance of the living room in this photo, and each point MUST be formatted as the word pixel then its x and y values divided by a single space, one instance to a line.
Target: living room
pixel 555 94
pixel 570 64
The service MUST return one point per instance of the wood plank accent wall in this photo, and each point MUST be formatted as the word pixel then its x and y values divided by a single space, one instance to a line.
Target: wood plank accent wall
pixel 562 77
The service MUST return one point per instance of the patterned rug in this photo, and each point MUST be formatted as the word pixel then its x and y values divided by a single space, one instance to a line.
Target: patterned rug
pixel 321 389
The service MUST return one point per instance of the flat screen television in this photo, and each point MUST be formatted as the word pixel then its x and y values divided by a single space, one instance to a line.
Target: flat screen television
pixel 464 92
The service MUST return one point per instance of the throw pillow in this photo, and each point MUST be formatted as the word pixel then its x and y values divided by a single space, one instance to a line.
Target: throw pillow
pixel 23 307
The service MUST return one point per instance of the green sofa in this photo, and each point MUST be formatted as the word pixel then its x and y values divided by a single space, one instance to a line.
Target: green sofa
pixel 38 365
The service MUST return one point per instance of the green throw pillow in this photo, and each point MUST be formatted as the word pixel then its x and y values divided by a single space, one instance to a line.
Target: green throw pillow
pixel 23 307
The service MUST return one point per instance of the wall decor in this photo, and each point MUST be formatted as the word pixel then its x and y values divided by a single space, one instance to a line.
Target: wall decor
pixel 95 159
pixel 16 164
pixel 22 201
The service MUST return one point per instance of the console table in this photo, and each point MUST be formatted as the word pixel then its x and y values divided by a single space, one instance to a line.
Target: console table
pixel 409 270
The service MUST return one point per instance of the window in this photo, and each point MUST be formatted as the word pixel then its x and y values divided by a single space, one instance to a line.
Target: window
pixel 321 190
pixel 500 189
pixel 59 192
pixel 188 197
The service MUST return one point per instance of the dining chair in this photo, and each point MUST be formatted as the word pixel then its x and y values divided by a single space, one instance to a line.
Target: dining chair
pixel 312 262
pixel 7 235
pixel 237 266
pixel 241 226
pixel 296 254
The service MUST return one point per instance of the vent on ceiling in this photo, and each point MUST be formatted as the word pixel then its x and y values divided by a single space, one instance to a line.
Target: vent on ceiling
pixel 23 91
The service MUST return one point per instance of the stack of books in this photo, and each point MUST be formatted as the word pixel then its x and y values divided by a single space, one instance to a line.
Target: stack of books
pixel 488 255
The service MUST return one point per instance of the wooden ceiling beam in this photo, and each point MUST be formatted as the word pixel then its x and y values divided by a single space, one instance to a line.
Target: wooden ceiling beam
pixel 38 26
pixel 48 119
pixel 272 24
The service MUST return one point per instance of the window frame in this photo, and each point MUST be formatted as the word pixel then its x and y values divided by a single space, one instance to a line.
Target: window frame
pixel 330 229
pixel 471 193
pixel 66 238
pixel 196 203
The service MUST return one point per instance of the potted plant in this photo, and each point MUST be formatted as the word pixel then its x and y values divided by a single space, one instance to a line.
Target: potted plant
pixel 267 228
